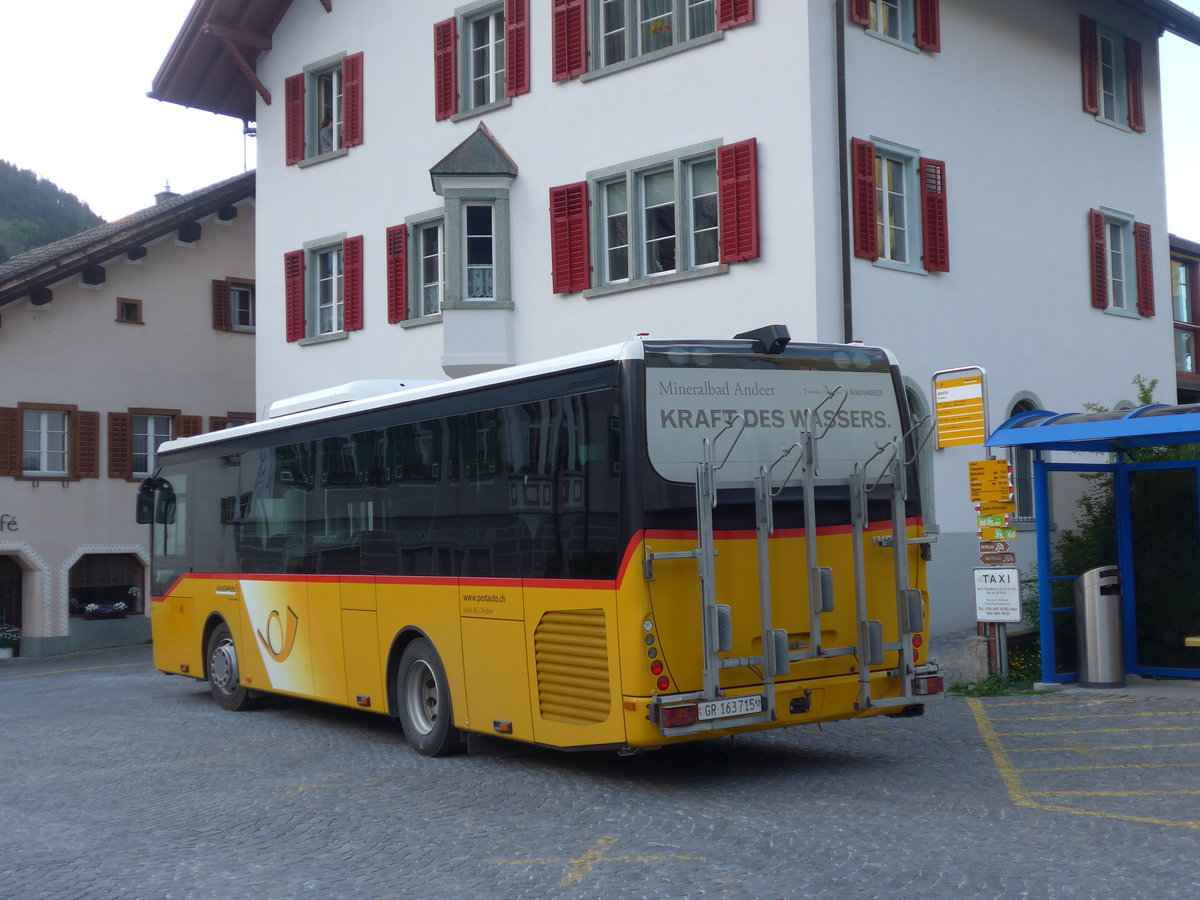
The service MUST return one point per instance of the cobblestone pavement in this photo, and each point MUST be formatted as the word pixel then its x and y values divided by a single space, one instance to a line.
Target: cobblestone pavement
pixel 120 782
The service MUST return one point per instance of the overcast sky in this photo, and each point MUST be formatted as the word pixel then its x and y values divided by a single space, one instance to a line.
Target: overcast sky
pixel 90 128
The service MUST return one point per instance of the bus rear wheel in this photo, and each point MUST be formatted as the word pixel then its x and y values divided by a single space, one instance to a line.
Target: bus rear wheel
pixel 224 676
pixel 423 698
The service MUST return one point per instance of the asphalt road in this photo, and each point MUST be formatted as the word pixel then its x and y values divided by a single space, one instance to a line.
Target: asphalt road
pixel 120 782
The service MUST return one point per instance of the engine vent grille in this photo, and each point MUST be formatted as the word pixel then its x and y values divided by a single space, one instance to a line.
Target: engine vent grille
pixel 570 650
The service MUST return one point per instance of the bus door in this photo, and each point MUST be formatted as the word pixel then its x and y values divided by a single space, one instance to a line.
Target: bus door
pixel 495 658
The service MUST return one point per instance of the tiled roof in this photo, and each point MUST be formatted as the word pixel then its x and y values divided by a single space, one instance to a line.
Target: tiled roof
pixel 62 259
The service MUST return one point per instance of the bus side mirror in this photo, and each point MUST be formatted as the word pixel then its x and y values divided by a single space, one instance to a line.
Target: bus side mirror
pixel 156 502
pixel 145 502
pixel 164 509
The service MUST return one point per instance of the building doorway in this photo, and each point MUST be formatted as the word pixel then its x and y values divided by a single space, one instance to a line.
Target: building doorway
pixel 106 585
pixel 11 576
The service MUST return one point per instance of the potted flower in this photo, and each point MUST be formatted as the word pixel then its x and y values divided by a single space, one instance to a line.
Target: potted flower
pixel 10 639
pixel 105 610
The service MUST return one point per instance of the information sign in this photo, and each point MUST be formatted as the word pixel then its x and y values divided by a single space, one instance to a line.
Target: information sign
pixel 998 595
pixel 997 559
pixel 997 534
pixel 960 413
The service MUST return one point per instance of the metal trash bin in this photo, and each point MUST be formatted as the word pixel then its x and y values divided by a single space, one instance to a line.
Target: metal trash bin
pixel 1098 627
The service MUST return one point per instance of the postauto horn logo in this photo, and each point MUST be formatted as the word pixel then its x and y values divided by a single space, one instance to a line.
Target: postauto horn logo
pixel 279 639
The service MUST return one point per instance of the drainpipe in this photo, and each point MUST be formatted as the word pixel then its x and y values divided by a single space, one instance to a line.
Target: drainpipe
pixel 844 171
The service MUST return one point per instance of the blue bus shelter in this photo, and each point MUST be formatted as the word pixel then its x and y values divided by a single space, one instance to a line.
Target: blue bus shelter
pixel 1157 545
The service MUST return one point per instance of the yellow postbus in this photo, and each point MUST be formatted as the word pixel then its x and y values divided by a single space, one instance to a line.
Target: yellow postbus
pixel 622 549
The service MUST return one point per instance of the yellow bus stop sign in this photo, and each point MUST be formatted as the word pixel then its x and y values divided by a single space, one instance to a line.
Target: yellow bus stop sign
pixel 959 408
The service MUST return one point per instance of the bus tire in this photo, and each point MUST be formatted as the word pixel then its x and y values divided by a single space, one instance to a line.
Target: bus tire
pixel 423 699
pixel 224 674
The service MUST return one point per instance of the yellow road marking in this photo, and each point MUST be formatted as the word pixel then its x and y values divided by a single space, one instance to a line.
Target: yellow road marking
pixel 579 867
pixel 1100 731
pixel 1111 793
pixel 79 669
pixel 1111 747
pixel 1090 716
pixel 1020 796
pixel 584 864
pixel 1060 702
pixel 1115 766
pixel 1012 781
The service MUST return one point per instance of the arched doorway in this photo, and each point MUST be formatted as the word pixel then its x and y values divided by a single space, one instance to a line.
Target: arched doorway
pixel 106 585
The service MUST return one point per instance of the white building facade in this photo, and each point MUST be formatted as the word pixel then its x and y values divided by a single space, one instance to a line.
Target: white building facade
pixel 111 342
pixel 449 187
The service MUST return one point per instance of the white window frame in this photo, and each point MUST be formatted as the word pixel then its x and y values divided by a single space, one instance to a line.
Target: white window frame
pixel 324 91
pixel 1120 261
pixel 681 166
pixel 484 60
pixel 243 309
pixel 40 428
pixel 332 303
pixel 473 241
pixel 894 21
pixel 423 283
pixel 902 184
pixel 147 432
pixel 614 225
pixel 1113 98
pixel 620 31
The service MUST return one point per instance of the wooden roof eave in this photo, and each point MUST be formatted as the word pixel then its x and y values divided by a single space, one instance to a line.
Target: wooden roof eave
pixel 71 263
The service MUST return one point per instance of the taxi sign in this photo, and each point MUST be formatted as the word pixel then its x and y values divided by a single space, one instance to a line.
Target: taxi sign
pixel 997 594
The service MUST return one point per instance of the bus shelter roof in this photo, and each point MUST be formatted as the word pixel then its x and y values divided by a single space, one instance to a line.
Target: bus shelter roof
pixel 1105 432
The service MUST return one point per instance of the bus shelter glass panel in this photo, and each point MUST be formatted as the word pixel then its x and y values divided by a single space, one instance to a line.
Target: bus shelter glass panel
pixel 1165 531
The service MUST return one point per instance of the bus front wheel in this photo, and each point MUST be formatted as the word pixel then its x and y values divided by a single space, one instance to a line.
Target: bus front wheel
pixel 423 697
pixel 224 676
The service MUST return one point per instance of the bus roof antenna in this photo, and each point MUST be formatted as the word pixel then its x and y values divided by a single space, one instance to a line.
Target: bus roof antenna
pixel 768 339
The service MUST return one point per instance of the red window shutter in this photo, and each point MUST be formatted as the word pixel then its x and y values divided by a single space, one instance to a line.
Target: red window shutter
pixel 445 69
pixel 10 442
pixel 1089 60
pixel 120 445
pixel 1133 81
pixel 860 12
pixel 188 426
pixel 352 93
pixel 732 13
pixel 218 423
pixel 85 452
pixel 935 232
pixel 929 26
pixel 516 47
pixel 1099 259
pixel 570 39
pixel 221 306
pixel 569 250
pixel 862 161
pixel 397 273
pixel 737 186
pixel 293 116
pixel 352 283
pixel 1143 249
pixel 293 292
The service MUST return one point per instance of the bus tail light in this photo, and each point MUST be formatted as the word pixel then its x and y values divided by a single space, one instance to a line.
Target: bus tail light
pixel 678 716
pixel 925 685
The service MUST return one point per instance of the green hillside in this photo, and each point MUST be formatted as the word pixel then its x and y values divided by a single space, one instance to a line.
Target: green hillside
pixel 35 212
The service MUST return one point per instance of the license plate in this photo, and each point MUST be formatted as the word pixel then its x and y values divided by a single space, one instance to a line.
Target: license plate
pixel 730 707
